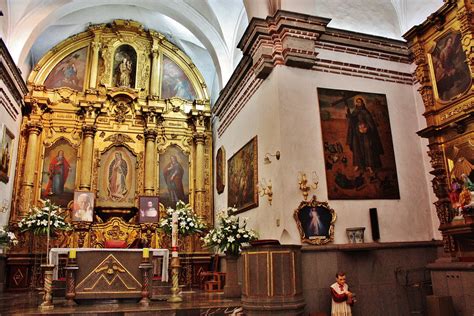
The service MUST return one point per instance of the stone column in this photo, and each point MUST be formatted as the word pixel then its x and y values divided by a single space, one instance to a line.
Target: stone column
pixel 88 132
pixel 155 72
pixel 150 158
pixel 34 130
pixel 94 64
pixel 200 139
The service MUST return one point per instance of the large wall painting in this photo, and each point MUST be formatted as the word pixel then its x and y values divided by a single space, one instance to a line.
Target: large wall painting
pixel 243 177
pixel 59 173
pixel 452 73
pixel 175 83
pixel 69 72
pixel 125 67
pixel 358 148
pixel 117 182
pixel 6 152
pixel 174 177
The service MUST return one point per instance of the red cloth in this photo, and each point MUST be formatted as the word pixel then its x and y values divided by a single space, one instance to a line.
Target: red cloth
pixel 338 297
pixel 115 244
pixel 55 167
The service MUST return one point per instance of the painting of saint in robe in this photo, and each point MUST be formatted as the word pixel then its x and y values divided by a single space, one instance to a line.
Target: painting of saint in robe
pixel 175 83
pixel 6 146
pixel 59 172
pixel 174 177
pixel 118 170
pixel 69 72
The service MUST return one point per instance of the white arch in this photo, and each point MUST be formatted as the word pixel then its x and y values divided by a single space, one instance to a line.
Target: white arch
pixel 29 28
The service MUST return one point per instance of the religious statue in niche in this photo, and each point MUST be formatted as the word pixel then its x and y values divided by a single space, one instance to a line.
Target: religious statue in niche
pixel 125 63
pixel 174 177
pixel 59 173
pixel 452 74
pixel 358 148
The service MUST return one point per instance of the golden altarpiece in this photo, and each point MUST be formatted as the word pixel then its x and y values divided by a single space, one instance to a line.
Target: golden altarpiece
pixel 443 51
pixel 116 92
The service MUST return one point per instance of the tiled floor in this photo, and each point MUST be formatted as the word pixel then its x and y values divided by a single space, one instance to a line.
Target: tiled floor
pixel 194 303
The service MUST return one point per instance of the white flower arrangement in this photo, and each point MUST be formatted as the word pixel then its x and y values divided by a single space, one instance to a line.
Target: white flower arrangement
pixel 229 235
pixel 188 222
pixel 37 219
pixel 7 237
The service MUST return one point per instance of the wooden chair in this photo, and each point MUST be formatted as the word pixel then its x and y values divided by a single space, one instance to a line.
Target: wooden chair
pixel 212 280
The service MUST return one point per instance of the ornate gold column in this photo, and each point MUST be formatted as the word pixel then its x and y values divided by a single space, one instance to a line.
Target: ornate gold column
pixel 150 137
pixel 200 139
pixel 155 72
pixel 88 132
pixel 94 64
pixel 34 130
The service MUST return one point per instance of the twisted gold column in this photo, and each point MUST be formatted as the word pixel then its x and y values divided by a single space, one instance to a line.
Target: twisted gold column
pixel 34 130
pixel 150 137
pixel 86 158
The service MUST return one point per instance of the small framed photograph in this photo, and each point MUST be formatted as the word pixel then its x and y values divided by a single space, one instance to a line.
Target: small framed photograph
pixel 83 208
pixel 315 222
pixel 149 206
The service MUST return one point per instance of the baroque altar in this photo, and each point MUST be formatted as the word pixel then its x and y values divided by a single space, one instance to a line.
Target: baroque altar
pixel 113 115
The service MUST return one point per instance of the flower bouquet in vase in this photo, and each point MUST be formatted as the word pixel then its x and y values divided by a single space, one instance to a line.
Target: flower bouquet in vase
pixel 7 238
pixel 44 220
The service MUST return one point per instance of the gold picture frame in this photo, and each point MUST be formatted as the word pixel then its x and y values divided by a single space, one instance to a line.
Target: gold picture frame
pixel 315 221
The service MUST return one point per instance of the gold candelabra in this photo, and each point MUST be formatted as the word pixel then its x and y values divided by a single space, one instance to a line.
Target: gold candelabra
pixel 266 189
pixel 304 186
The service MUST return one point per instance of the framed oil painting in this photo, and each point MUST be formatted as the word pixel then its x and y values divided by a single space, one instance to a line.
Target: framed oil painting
pixel 451 72
pixel 125 67
pixel 175 83
pixel 6 152
pixel 243 178
pixel 149 209
pixel 117 180
pixel 83 207
pixel 358 148
pixel 69 72
pixel 220 170
pixel 315 221
pixel 174 176
pixel 59 172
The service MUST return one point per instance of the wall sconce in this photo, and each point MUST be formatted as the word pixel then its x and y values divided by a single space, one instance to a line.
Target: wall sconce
pixel 303 183
pixel 4 206
pixel 266 189
pixel 267 160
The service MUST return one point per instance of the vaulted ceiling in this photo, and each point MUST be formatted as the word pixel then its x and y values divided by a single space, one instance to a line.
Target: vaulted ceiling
pixel 207 30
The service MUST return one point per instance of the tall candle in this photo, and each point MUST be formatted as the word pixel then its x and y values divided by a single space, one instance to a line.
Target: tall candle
pixel 72 254
pixel 146 253
pixel 174 229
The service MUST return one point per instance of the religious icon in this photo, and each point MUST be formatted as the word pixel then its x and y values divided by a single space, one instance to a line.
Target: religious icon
pixel 59 172
pixel 149 206
pixel 175 83
pixel 69 72
pixel 342 298
pixel 125 62
pixel 174 177
pixel 358 148
pixel 315 221
pixel 118 170
pixel 83 209
pixel 220 170
pixel 6 147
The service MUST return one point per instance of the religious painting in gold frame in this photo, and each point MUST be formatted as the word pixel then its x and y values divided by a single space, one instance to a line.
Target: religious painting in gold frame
pixel 174 176
pixel 220 170
pixel 315 221
pixel 450 71
pixel 6 151
pixel 69 72
pixel 117 183
pixel 243 178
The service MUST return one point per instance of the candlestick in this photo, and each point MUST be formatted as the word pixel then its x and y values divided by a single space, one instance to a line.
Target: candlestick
pixel 72 254
pixel 174 229
pixel 146 253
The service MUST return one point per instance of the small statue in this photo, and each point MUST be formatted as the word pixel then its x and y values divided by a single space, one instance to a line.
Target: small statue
pixel 342 299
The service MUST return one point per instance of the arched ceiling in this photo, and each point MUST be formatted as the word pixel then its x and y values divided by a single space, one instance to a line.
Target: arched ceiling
pixel 206 30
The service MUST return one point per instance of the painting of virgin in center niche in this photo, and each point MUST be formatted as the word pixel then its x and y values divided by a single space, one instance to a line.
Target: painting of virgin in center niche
pixel 175 83
pixel 452 73
pixel 117 180
pixel 125 66
pixel 59 173
pixel 69 72
pixel 174 177
pixel 358 148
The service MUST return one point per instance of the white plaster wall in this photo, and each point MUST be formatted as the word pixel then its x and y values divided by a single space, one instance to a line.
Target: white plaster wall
pixel 6 189
pixel 284 113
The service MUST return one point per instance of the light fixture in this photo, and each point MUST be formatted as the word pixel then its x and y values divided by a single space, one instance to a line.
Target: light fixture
pixel 303 183
pixel 267 160
pixel 266 189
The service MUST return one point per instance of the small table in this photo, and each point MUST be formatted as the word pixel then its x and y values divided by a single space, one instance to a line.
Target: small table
pixel 55 252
